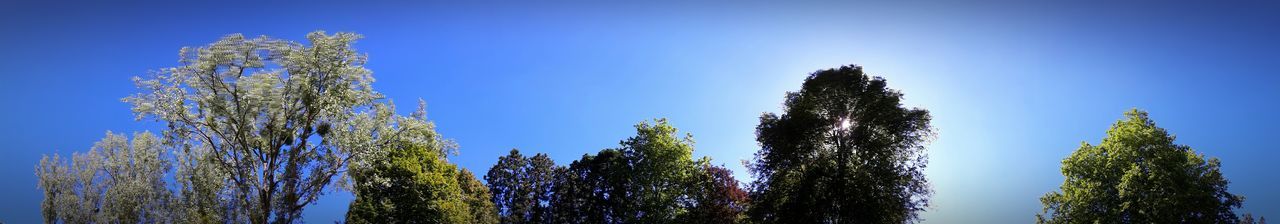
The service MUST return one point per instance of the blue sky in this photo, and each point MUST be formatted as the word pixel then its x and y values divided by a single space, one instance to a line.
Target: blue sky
pixel 1014 86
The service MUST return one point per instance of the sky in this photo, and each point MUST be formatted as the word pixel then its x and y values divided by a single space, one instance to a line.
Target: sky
pixel 1013 87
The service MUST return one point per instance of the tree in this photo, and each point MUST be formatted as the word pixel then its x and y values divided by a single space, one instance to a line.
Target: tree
pixel 1248 219
pixel 521 187
pixel 1139 175
pixel 201 191
pixel 259 128
pixel 477 197
pixel 278 120
pixel 506 183
pixel 716 197
pixel 643 181
pixel 541 176
pixel 843 151
pixel 590 189
pixel 661 163
pixel 414 182
pixel 117 181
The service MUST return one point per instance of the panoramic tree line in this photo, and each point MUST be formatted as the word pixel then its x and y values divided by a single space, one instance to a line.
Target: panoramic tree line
pixel 258 128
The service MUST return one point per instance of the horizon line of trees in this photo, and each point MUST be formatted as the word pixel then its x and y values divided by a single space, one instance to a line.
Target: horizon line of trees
pixel 258 128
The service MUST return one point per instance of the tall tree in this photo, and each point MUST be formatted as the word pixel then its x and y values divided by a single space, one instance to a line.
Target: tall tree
pixel 844 150
pixel 277 118
pixel 1139 175
pixel 510 190
pixel 521 187
pixel 542 171
pixel 117 181
pixel 590 189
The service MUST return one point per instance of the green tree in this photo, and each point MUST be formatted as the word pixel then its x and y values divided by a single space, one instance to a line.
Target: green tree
pixel 279 120
pixel 414 182
pixel 661 162
pixel 521 187
pixel 844 150
pixel 117 181
pixel 260 128
pixel 643 181
pixel 477 197
pixel 1139 175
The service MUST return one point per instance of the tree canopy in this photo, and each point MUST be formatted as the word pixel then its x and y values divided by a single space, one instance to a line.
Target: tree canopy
pixel 642 181
pixel 844 150
pixel 716 196
pixel 117 181
pixel 259 129
pixel 279 118
pixel 649 178
pixel 413 182
pixel 522 187
pixel 1139 175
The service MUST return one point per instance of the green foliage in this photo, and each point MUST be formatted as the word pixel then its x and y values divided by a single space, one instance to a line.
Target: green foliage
pixel 259 128
pixel 415 183
pixel 279 119
pixel 843 151
pixel 651 178
pixel 521 187
pixel 117 181
pixel 1139 175
pixel 477 197
pixel 660 165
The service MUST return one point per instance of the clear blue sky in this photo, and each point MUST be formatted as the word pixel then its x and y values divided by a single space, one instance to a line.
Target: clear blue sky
pixel 1014 87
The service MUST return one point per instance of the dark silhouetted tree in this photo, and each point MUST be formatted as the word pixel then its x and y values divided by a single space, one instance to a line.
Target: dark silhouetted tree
pixel 521 187
pixel 1139 175
pixel 844 150
pixel 643 181
pixel 590 189
pixel 1248 219
pixel 505 185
